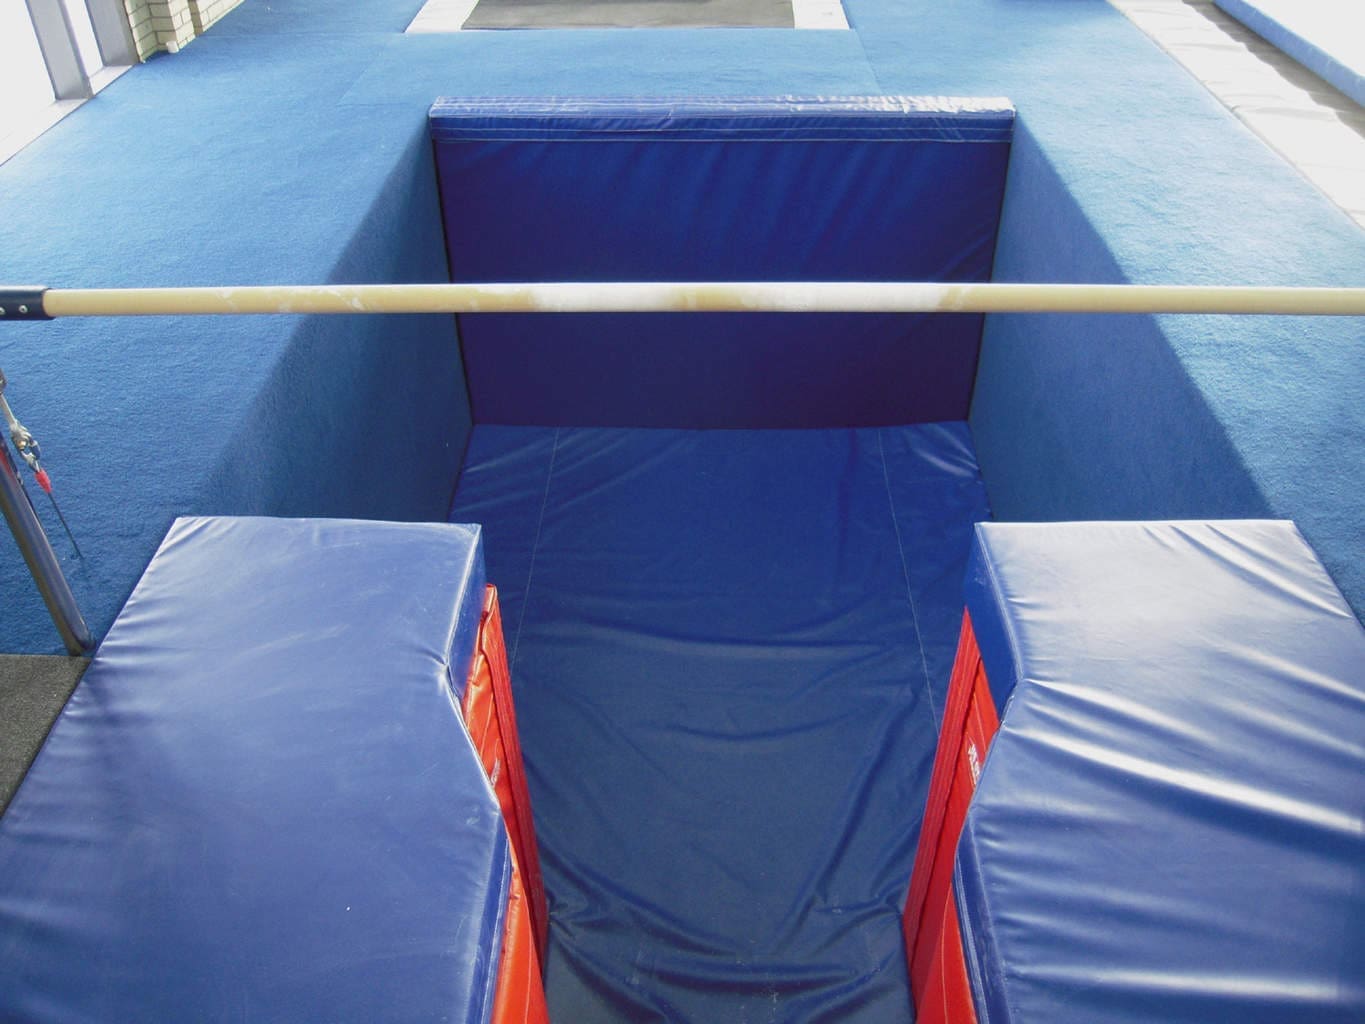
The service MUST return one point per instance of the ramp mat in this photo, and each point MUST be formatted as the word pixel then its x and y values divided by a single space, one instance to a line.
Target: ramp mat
pixel 729 649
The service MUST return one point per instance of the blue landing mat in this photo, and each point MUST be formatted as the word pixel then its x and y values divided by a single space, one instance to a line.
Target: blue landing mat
pixel 1168 825
pixel 722 644
pixel 704 189
pixel 260 804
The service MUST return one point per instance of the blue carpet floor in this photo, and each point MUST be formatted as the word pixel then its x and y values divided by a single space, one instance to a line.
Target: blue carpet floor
pixel 288 145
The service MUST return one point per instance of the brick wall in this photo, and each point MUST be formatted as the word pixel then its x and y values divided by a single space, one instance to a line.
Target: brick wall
pixel 205 12
pixel 167 25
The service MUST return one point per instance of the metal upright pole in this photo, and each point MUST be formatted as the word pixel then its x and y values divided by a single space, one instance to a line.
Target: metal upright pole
pixel 42 560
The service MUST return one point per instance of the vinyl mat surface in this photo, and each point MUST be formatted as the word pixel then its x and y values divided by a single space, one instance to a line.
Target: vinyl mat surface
pixel 729 650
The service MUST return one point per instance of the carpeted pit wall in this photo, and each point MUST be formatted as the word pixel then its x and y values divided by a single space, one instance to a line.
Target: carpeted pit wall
pixel 288 145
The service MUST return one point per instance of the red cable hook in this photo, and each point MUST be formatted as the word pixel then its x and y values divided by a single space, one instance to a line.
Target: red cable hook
pixel 27 447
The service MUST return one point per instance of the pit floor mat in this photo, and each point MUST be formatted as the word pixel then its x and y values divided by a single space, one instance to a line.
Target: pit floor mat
pixel 729 650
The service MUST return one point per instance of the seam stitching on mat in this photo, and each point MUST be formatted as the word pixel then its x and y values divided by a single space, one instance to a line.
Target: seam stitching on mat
pixel 535 550
pixel 905 572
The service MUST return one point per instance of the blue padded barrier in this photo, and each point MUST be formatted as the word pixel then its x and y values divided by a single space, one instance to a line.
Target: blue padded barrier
pixel 260 803
pixel 1325 36
pixel 722 644
pixel 878 188
pixel 1168 826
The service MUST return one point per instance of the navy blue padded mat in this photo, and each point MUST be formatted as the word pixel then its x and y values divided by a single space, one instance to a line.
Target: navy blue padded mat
pixel 1169 825
pixel 881 188
pixel 722 645
pixel 260 804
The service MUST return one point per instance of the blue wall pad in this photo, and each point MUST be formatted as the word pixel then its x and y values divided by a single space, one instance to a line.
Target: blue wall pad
pixel 719 643
pixel 1325 36
pixel 260 803
pixel 887 188
pixel 1168 825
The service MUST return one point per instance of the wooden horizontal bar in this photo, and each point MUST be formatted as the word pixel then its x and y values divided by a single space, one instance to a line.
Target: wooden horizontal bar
pixel 706 297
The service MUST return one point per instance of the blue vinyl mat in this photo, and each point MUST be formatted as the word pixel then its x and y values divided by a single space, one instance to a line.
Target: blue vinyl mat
pixel 1168 825
pixel 729 649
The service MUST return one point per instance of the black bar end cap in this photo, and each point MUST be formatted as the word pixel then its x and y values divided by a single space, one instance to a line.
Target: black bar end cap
pixel 22 303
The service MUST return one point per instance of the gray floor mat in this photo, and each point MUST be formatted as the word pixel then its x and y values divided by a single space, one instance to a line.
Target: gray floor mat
pixel 33 691
pixel 495 14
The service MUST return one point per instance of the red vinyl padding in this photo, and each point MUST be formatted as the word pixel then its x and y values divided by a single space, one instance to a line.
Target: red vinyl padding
pixel 933 943
pixel 491 721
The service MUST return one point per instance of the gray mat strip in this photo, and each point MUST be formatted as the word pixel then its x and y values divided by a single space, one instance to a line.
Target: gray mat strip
pixel 631 14
pixel 1316 128
pixel 33 691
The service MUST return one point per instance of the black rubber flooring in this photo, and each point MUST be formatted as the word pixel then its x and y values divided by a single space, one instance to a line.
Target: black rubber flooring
pixel 33 691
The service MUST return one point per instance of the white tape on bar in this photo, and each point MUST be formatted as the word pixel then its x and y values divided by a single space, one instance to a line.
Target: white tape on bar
pixel 715 297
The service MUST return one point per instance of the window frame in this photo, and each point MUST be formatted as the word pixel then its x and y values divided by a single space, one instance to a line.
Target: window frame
pixel 72 85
